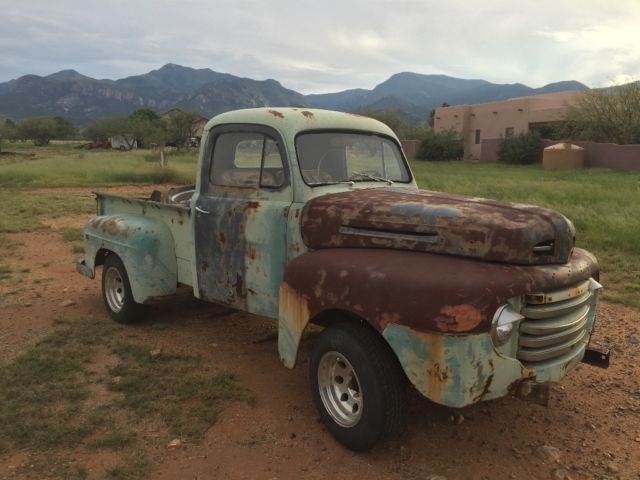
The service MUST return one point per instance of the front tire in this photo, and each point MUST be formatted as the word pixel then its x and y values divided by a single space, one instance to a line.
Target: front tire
pixel 116 292
pixel 357 385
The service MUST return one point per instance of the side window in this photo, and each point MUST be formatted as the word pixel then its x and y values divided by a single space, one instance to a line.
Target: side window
pixel 248 160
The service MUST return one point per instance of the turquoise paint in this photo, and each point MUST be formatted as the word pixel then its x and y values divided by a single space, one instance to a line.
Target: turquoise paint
pixel 144 245
pixel 470 368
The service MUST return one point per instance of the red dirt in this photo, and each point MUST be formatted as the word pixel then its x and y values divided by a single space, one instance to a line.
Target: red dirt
pixel 593 417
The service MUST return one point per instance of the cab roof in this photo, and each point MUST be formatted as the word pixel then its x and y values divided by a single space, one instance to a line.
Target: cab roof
pixel 290 121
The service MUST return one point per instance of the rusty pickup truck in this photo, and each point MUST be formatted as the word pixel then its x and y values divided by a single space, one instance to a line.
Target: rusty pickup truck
pixel 314 217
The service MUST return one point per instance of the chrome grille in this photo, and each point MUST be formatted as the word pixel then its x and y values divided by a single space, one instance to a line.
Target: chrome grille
pixel 556 322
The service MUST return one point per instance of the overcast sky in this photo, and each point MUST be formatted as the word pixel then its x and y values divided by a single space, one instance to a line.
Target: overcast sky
pixel 327 45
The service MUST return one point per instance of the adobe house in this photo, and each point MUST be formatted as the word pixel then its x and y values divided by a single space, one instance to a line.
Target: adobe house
pixel 492 121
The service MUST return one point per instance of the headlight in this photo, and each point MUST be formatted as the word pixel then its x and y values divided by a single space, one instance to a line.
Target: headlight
pixel 503 324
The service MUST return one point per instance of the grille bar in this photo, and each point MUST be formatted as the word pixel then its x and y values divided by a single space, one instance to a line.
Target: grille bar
pixel 537 355
pixel 555 309
pixel 555 322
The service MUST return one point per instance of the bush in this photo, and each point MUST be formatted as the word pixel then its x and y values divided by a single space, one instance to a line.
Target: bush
pixel 521 149
pixel 440 146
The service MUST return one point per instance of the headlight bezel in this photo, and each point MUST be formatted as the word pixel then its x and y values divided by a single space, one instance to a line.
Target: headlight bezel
pixel 505 322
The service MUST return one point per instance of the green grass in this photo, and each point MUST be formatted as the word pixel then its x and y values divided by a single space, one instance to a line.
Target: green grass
pixel 63 166
pixel 171 386
pixel 603 205
pixel 76 249
pixel 49 403
pixel 72 234
pixel 24 211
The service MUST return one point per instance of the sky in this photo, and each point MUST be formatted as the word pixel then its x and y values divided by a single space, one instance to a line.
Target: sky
pixel 327 45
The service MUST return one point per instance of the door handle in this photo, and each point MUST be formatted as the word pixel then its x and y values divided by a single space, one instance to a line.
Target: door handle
pixel 198 209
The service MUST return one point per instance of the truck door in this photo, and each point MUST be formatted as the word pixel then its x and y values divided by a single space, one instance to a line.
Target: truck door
pixel 241 218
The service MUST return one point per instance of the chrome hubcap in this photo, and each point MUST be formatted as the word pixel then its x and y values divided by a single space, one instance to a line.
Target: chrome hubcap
pixel 114 289
pixel 339 389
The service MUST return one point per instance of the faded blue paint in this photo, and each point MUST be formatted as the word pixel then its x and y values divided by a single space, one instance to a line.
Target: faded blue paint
pixel 145 246
pixel 428 214
pixel 459 370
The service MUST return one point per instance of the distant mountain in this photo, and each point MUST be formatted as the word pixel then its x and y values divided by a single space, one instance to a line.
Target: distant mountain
pixel 83 99
pixel 233 93
pixel 417 94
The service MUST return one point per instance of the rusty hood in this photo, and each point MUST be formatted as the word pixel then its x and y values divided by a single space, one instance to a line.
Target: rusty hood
pixel 420 220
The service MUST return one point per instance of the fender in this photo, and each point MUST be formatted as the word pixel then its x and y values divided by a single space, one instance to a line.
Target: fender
pixel 146 247
pixel 425 292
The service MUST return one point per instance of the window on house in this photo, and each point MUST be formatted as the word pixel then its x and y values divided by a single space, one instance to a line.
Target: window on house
pixel 477 137
pixel 247 160
pixel 508 132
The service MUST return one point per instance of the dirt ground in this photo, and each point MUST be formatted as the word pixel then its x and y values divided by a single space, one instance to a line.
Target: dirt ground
pixel 593 418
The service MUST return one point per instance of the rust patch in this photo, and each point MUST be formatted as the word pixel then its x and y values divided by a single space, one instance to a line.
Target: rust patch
pixel 251 207
pixel 294 307
pixel 251 252
pixel 276 113
pixel 415 286
pixel 307 114
pixel 110 226
pixel 458 318
pixel 238 287
pixel 437 375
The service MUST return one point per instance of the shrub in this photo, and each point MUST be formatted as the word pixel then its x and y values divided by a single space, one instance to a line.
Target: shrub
pixel 445 145
pixel 521 149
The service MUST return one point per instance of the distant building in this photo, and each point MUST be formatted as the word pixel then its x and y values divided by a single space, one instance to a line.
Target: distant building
pixel 491 121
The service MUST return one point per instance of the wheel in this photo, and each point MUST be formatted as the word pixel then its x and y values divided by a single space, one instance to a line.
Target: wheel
pixel 357 385
pixel 116 292
pixel 122 148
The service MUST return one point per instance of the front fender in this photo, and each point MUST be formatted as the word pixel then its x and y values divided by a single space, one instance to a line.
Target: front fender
pixel 423 291
pixel 146 247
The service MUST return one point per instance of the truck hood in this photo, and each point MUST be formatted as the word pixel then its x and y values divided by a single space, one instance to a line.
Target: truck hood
pixel 420 220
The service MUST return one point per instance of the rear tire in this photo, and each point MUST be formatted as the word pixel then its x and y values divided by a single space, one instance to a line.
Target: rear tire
pixel 116 292
pixel 357 385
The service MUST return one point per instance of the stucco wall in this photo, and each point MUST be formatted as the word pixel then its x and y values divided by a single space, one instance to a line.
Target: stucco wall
pixel 493 119
pixel 596 155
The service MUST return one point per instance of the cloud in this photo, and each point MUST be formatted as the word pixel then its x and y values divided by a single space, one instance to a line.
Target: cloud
pixel 325 46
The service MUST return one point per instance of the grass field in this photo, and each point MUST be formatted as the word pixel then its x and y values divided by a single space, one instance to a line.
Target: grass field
pixel 604 205
pixel 61 165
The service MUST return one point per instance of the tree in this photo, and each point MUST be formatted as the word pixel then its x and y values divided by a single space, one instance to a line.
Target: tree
pixel 445 145
pixel 7 131
pixel 432 114
pixel 520 149
pixel 181 127
pixel 43 129
pixel 145 115
pixel 607 115
pixel 118 125
pixel 399 122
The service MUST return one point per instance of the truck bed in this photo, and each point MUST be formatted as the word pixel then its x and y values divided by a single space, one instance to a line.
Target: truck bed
pixel 175 215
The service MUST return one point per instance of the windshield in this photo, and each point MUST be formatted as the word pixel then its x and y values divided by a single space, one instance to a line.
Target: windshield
pixel 338 157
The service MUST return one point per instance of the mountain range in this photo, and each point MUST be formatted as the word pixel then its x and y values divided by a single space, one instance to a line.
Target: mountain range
pixel 83 99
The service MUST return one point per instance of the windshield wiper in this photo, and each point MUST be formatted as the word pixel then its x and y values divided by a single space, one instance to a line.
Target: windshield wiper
pixel 369 176
pixel 319 184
